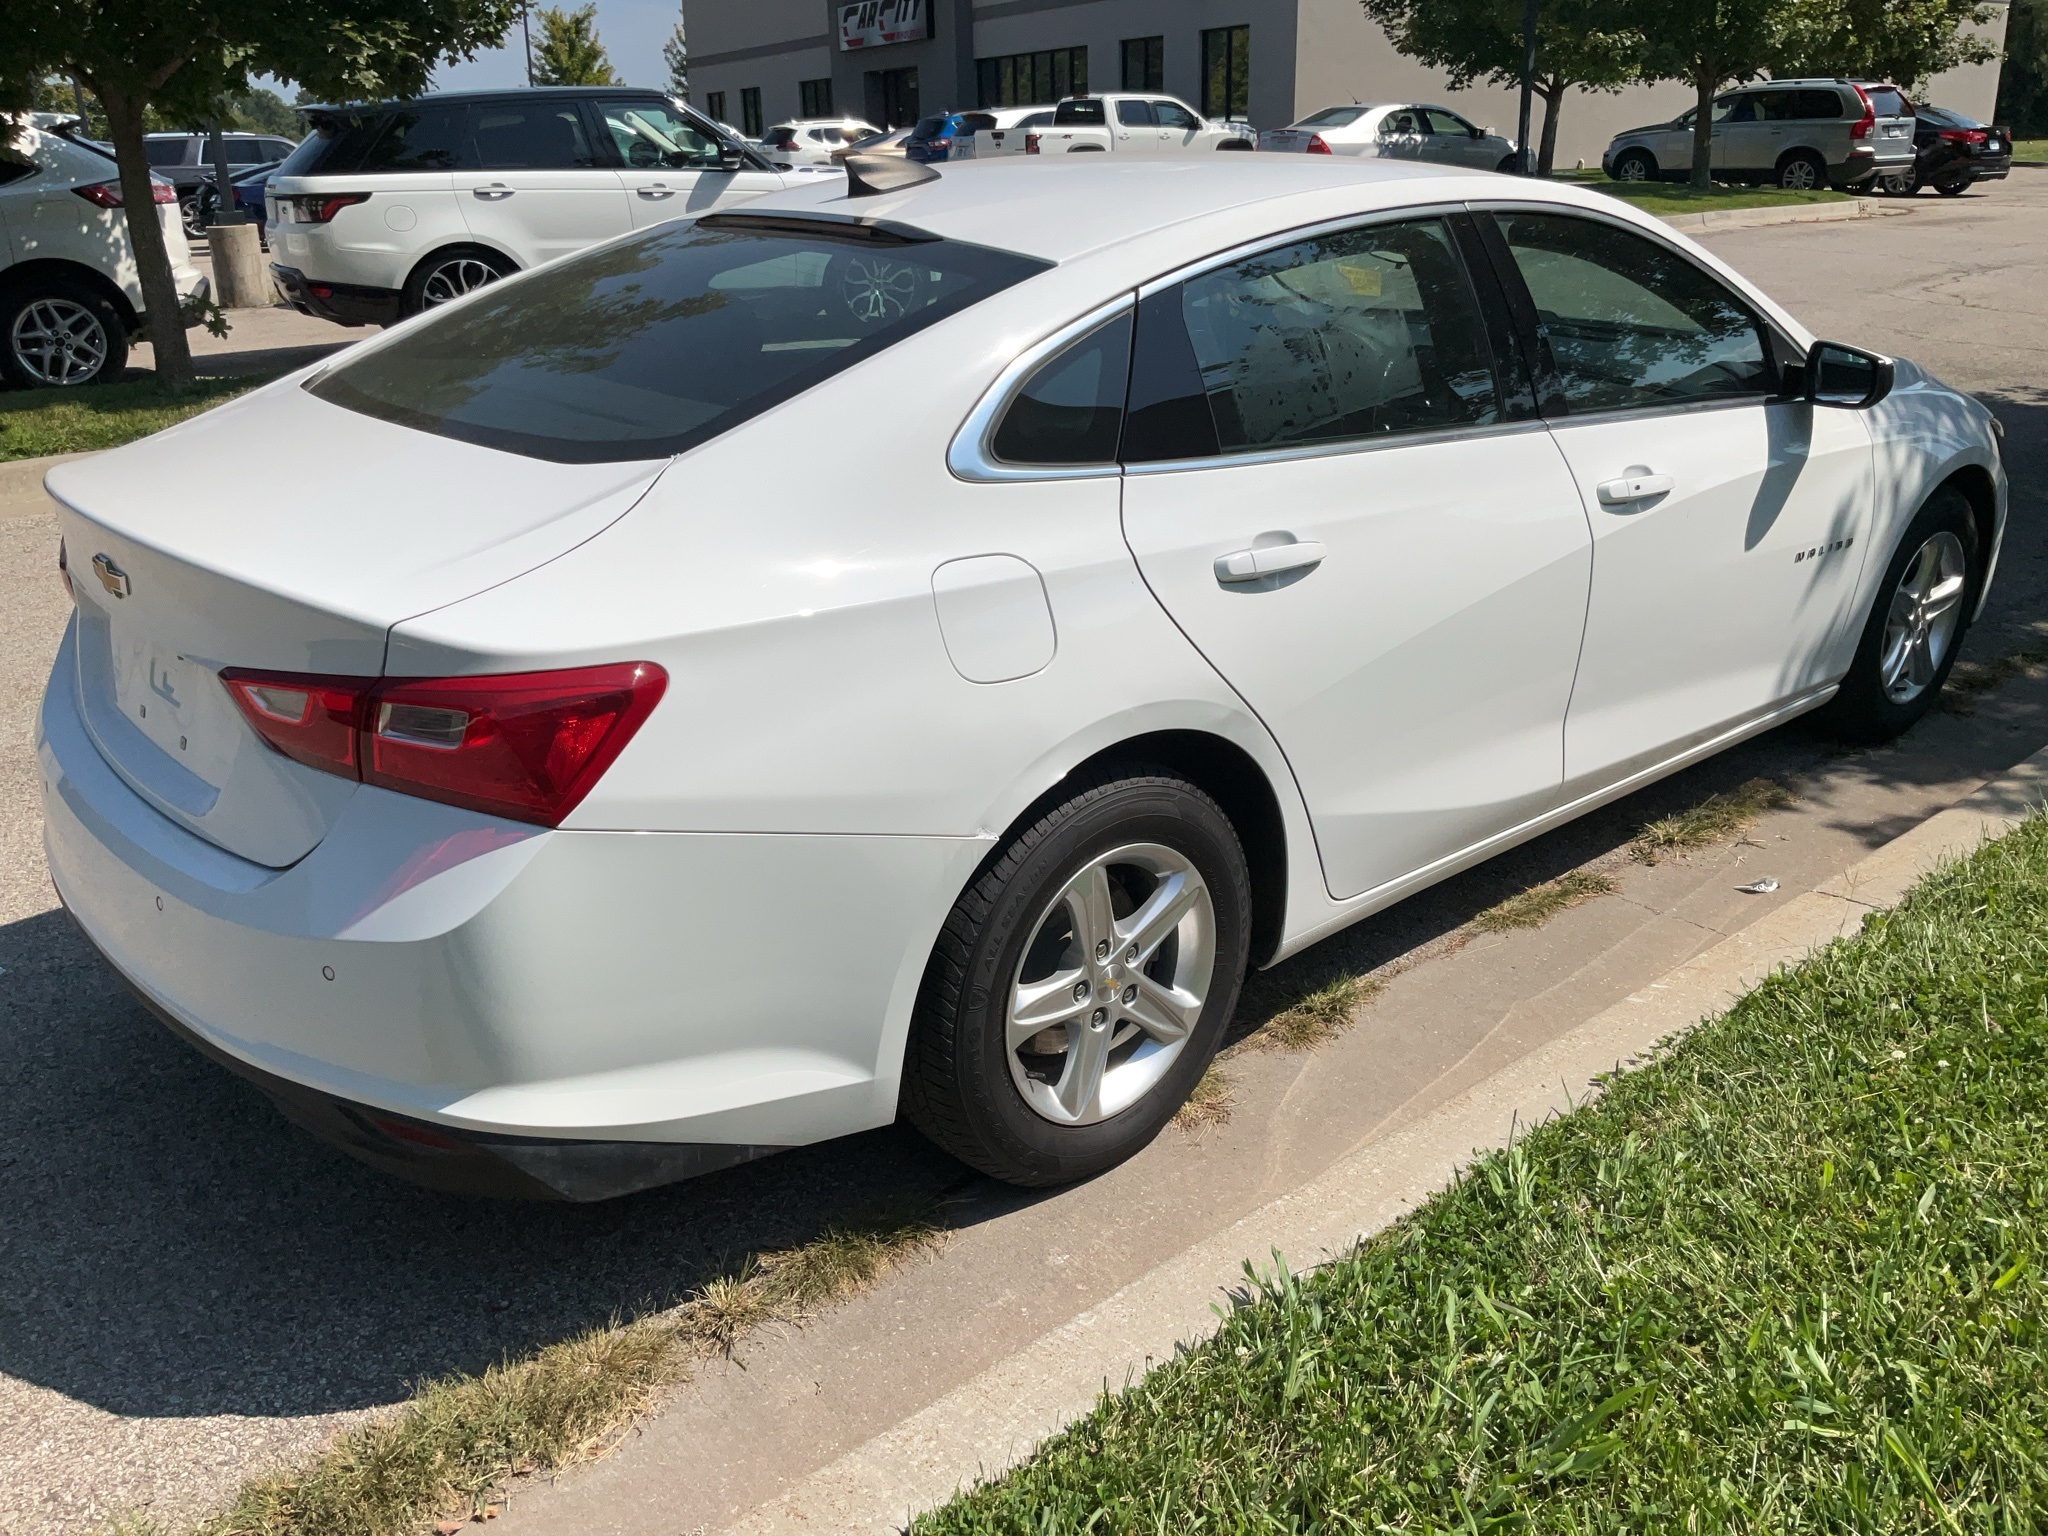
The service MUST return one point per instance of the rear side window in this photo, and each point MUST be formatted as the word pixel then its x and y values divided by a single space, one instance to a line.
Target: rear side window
pixel 1630 323
pixel 423 138
pixel 1815 106
pixel 335 144
pixel 1079 114
pixel 1351 335
pixel 648 346
pixel 1332 117
pixel 521 136
pixel 1071 409
pixel 1134 114
pixel 164 151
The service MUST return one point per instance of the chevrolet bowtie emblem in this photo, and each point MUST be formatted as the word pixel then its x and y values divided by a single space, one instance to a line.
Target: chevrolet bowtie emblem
pixel 111 576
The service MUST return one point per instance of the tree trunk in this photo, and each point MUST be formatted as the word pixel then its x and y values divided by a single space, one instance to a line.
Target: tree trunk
pixel 1705 84
pixel 146 236
pixel 1553 106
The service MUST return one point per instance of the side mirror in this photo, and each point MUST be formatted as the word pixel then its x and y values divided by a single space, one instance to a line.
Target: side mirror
pixel 1848 377
pixel 1475 133
pixel 730 156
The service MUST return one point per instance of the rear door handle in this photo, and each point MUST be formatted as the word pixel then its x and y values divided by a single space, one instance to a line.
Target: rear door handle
pixel 1615 493
pixel 496 189
pixel 1251 564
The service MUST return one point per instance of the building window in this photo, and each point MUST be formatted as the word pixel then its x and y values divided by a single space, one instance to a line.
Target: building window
pixel 816 98
pixel 714 103
pixel 1032 79
pixel 750 110
pixel 891 97
pixel 1227 72
pixel 1144 63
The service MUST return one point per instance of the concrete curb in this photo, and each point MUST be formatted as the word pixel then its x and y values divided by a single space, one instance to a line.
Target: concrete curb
pixel 1716 219
pixel 21 485
pixel 994 1421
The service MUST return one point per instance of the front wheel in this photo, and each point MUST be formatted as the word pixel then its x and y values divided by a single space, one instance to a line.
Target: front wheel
pixel 1953 188
pixel 1915 626
pixel 1082 983
pixel 58 334
pixel 1635 165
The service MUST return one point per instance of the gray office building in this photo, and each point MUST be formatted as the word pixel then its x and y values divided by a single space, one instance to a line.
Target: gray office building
pixel 754 63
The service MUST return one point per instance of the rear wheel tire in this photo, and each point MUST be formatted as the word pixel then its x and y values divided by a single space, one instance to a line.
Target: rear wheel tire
pixel 1916 624
pixel 1953 188
pixel 59 334
pixel 1635 165
pixel 1802 171
pixel 1082 983
pixel 448 275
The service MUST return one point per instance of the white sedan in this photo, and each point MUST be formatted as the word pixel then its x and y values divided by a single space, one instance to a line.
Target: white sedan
pixel 1394 131
pixel 571 788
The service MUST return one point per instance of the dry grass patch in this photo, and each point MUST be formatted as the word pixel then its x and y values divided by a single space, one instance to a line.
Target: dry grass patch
pixel 1714 819
pixel 1540 903
pixel 459 1440
pixel 1210 1104
pixel 1319 1016
pixel 1968 681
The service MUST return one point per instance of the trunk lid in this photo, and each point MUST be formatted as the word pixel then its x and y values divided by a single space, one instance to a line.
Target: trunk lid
pixel 178 573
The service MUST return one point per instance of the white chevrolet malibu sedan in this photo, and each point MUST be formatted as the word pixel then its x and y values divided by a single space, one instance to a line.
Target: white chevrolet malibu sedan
pixel 912 647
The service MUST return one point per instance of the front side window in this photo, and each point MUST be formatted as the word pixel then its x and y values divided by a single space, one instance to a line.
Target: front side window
pixel 1172 114
pixel 1631 323
pixel 648 346
pixel 1346 336
pixel 652 135
pixel 1405 120
pixel 1071 409
pixel 1448 123
pixel 539 137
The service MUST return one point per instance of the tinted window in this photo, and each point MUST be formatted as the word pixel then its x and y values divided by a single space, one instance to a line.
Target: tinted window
pixel 1071 409
pixel 929 128
pixel 651 345
pixel 1630 322
pixel 1079 114
pixel 335 145
pixel 652 135
pixel 1774 106
pixel 1350 335
pixel 1942 117
pixel 276 149
pixel 422 138
pixel 1332 117
pixel 246 152
pixel 976 122
pixel 164 151
pixel 1815 106
pixel 537 137
pixel 1887 102
pixel 1134 114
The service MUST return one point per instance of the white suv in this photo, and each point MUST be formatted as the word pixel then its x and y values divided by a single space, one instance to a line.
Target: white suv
pixel 70 297
pixel 388 210
pixel 811 140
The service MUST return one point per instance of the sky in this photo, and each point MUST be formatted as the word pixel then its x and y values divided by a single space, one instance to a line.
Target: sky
pixel 632 32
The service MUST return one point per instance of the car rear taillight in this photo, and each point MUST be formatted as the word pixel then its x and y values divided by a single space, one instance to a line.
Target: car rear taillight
pixel 1031 144
pixel 1860 129
pixel 1963 135
pixel 107 194
pixel 526 745
pixel 1316 146
pixel 321 207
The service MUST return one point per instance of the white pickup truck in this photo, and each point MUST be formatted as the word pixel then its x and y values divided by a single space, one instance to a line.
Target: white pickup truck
pixel 1134 125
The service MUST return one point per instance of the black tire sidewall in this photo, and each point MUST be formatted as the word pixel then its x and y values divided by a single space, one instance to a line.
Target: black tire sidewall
pixel 14 299
pixel 1014 1142
pixel 1860 710
pixel 413 300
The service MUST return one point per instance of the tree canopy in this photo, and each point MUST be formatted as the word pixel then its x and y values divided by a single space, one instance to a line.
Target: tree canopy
pixel 675 53
pixel 569 51
pixel 1905 42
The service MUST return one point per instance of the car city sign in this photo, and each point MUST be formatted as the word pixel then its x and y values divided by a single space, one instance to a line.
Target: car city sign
pixel 871 23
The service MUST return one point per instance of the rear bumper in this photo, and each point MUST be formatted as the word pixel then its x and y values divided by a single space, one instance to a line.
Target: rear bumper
pixel 343 303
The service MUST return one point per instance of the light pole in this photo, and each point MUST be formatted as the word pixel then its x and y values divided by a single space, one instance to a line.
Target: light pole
pixel 1523 152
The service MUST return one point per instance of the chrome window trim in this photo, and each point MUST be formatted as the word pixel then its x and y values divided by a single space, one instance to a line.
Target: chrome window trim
pixel 970 455
pixel 1348 445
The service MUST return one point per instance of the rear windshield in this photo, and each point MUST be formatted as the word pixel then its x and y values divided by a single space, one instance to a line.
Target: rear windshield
pixel 334 143
pixel 1941 117
pixel 1332 117
pixel 779 138
pixel 651 345
pixel 1078 113
pixel 928 128
pixel 1886 102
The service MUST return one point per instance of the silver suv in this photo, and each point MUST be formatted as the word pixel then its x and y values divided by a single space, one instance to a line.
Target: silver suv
pixel 1798 134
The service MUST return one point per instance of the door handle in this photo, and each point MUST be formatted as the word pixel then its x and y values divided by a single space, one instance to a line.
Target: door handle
pixel 656 189
pixel 1251 564
pixel 1628 488
pixel 495 190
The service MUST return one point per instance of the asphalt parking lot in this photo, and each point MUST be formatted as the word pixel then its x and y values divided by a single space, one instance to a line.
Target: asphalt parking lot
pixel 190 1288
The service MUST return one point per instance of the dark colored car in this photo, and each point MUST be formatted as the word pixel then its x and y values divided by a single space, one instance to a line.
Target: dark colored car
pixel 1954 153
pixel 931 141
pixel 185 160
pixel 248 197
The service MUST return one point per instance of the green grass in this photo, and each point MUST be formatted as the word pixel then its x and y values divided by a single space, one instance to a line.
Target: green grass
pixel 2030 149
pixel 1717 817
pixel 1784 1278
pixel 34 422
pixel 1660 197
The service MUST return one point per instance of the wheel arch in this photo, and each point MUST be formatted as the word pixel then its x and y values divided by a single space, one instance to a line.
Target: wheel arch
pixel 1975 483
pixel 458 247
pixel 24 275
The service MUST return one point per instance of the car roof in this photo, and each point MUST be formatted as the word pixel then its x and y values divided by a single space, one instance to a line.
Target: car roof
pixel 503 93
pixel 1062 210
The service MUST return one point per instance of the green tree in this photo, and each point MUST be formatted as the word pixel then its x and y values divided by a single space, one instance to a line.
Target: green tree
pixel 257 110
pixel 1590 45
pixel 189 58
pixel 569 52
pixel 1709 44
pixel 675 53
pixel 2023 81
pixel 1903 41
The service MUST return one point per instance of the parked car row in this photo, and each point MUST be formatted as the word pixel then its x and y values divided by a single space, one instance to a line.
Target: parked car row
pixel 185 160
pixel 1952 153
pixel 572 788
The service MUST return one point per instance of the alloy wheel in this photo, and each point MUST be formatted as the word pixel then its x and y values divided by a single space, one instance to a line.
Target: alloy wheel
pixel 1631 168
pixel 1111 984
pixel 1798 176
pixel 59 341
pixel 452 279
pixel 1926 611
